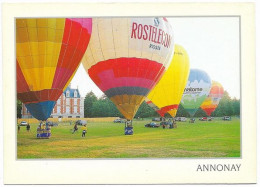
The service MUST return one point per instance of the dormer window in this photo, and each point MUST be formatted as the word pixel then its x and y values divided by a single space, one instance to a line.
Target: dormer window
pixel 75 94
pixel 67 93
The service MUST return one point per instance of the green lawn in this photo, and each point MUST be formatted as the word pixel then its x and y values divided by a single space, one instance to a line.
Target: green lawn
pixel 107 140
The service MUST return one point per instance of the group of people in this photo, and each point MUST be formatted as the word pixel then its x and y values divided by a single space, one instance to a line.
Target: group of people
pixel 83 128
pixel 171 123
pixel 44 126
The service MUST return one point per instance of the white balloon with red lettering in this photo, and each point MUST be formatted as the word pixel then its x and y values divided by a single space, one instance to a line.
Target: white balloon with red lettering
pixel 126 57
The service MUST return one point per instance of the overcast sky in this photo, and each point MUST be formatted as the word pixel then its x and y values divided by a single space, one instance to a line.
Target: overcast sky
pixel 212 44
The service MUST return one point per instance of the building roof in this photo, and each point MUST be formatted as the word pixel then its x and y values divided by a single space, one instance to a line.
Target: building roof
pixel 71 90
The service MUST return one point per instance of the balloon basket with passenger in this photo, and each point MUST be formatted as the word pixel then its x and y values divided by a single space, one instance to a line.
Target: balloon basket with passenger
pixel 43 130
pixel 129 128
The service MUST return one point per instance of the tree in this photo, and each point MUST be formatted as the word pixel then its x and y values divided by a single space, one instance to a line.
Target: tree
pixel 236 106
pixel 182 112
pixel 18 108
pixel 145 111
pixel 104 107
pixel 200 113
pixel 88 103
pixel 227 106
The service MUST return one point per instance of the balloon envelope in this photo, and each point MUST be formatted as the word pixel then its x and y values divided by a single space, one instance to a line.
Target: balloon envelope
pixel 127 56
pixel 212 101
pixel 196 90
pixel 48 52
pixel 167 94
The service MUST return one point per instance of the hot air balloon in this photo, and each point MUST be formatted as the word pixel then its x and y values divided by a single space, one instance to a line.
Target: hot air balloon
pixel 48 53
pixel 127 56
pixel 166 95
pixel 212 101
pixel 196 91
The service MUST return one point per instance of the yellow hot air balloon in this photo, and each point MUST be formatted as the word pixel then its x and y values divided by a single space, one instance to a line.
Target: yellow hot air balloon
pixel 167 94
pixel 48 53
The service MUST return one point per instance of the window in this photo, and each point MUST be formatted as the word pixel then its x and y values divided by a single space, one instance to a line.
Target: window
pixel 67 101
pixel 67 109
pixel 75 94
pixel 58 102
pixel 58 109
pixel 77 116
pixel 75 109
pixel 75 101
pixel 67 93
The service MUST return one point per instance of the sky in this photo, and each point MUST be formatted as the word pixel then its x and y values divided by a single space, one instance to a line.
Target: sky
pixel 212 44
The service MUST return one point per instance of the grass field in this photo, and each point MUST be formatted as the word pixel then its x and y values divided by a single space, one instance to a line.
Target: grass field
pixel 107 140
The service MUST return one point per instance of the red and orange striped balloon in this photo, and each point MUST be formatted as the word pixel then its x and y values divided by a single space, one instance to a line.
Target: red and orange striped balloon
pixel 211 102
pixel 48 53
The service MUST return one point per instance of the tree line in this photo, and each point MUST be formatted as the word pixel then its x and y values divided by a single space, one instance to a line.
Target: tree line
pixel 103 107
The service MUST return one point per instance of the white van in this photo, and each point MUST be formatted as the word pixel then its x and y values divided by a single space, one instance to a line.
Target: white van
pixel 181 119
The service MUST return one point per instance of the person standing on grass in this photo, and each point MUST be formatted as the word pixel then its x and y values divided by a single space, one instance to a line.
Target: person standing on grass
pixel 75 128
pixel 28 127
pixel 84 130
pixel 19 128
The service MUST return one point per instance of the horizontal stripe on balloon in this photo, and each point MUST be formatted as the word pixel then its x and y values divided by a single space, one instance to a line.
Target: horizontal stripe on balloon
pixel 162 111
pixel 122 100
pixel 127 91
pixel 40 96
pixel 41 110
pixel 126 72
pixel 209 110
pixel 108 80
pixel 127 104
pixel 217 91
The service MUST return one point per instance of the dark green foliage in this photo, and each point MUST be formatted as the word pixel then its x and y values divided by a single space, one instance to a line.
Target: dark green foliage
pixel 145 111
pixel 236 106
pixel 88 104
pixel 200 113
pixel 227 106
pixel 182 112
pixel 18 108
pixel 104 107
